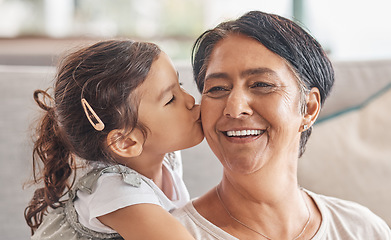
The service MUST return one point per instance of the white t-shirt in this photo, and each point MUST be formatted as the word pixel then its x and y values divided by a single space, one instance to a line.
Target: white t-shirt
pixel 111 193
pixel 341 220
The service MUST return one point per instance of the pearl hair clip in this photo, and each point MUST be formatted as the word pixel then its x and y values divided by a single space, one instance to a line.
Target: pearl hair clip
pixel 90 113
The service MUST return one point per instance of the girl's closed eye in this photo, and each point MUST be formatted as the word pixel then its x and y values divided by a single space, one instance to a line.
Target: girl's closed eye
pixel 170 101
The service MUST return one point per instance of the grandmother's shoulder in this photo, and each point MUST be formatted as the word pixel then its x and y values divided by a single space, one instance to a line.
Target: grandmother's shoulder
pixel 341 207
pixel 351 216
pixel 183 213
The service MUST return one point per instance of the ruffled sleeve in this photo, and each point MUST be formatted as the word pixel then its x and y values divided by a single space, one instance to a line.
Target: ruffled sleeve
pixel 105 191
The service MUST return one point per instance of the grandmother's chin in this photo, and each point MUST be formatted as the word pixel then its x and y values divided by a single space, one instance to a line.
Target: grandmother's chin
pixel 242 166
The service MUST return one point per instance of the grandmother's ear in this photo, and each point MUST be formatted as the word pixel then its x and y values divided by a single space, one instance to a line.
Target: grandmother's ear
pixel 313 106
pixel 125 145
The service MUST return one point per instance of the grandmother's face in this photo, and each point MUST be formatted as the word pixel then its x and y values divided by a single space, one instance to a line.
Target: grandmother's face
pixel 250 106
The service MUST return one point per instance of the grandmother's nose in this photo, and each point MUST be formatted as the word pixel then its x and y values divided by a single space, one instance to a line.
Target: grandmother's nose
pixel 238 105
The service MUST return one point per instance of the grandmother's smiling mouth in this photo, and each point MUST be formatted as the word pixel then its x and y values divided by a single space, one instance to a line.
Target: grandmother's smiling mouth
pixel 243 133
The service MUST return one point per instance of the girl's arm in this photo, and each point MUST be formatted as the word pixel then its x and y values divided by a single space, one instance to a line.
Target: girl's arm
pixel 145 221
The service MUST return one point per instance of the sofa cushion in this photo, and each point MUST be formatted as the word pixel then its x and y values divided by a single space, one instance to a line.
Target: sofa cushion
pixel 349 155
pixel 355 82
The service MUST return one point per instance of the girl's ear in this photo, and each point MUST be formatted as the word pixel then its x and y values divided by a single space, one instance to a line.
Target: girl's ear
pixel 126 146
pixel 312 109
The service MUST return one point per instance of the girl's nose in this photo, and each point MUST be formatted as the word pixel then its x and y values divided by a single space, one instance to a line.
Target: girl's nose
pixel 237 105
pixel 189 100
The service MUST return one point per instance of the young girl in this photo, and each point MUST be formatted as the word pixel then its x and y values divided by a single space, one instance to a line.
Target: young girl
pixel 118 107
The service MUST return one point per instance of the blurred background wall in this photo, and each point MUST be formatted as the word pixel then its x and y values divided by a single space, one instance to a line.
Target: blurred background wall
pixel 35 33
pixel 349 29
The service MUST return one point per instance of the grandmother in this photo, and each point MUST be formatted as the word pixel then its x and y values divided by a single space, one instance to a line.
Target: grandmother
pixel 263 81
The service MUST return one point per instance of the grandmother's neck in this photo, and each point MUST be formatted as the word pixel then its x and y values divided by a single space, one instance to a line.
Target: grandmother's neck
pixel 269 183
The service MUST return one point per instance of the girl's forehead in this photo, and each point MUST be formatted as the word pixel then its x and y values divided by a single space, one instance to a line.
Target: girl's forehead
pixel 161 78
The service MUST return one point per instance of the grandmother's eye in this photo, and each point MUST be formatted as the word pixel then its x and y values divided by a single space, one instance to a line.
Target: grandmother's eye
pixel 261 84
pixel 216 91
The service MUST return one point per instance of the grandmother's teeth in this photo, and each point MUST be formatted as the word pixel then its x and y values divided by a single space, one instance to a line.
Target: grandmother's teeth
pixel 243 133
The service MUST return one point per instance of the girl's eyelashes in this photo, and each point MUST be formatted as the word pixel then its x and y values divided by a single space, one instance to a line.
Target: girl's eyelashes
pixel 171 100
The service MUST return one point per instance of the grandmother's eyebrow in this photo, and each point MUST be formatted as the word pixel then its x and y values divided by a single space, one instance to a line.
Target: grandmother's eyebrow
pixel 217 75
pixel 246 73
pixel 258 71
